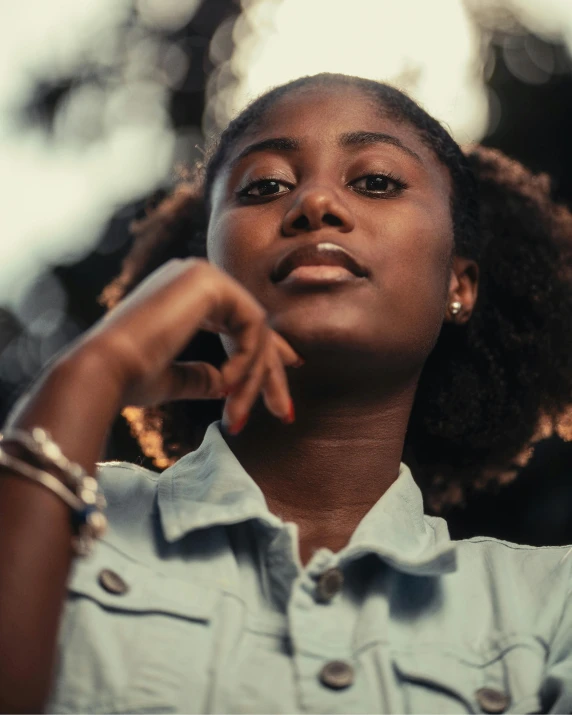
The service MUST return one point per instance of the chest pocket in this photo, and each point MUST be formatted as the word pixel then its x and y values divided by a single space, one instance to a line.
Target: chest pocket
pixel 505 678
pixel 133 640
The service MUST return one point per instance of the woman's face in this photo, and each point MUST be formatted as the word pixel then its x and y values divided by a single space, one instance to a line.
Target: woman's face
pixel 324 166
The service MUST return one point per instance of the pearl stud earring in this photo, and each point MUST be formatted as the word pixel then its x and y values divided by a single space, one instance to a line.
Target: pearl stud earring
pixel 455 307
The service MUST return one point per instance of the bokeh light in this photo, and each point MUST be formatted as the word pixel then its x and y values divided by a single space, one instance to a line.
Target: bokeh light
pixel 110 141
pixel 529 57
pixel 166 14
pixel 68 165
pixel 431 50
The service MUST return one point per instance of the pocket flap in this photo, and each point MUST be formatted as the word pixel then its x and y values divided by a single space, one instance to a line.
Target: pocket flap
pixel 138 588
pixel 442 672
pixel 505 677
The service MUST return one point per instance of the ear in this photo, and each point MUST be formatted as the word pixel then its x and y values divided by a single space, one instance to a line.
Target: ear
pixel 463 288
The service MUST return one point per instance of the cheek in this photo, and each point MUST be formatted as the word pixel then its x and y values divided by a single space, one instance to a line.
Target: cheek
pixel 226 247
pixel 415 277
pixel 234 244
pixel 420 258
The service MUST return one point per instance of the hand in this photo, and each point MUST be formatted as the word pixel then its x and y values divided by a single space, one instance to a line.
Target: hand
pixel 140 338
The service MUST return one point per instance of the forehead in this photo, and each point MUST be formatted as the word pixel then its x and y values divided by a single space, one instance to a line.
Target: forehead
pixel 321 114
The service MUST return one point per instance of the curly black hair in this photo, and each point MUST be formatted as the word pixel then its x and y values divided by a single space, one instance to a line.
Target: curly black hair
pixel 490 388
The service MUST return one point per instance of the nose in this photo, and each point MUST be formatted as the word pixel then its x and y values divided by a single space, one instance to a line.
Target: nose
pixel 317 207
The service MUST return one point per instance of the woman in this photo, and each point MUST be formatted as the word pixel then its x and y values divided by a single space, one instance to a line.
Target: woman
pixel 289 567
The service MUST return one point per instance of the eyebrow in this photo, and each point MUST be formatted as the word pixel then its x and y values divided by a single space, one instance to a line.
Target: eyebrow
pixel 351 139
pixel 278 144
pixel 365 138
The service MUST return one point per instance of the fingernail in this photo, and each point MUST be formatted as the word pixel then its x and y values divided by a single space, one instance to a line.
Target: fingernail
pixel 291 416
pixel 299 362
pixel 237 426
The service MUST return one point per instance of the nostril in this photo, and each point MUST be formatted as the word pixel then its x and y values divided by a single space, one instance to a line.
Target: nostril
pixel 332 220
pixel 301 223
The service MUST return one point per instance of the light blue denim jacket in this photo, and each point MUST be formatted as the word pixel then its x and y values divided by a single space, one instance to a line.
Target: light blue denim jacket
pixel 215 614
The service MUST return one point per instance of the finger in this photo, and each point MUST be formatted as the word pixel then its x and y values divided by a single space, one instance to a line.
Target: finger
pixel 195 381
pixel 276 393
pixel 240 402
pixel 250 345
pixel 184 381
pixel 289 356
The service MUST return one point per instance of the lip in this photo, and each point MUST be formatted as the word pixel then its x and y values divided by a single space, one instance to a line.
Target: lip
pixel 324 253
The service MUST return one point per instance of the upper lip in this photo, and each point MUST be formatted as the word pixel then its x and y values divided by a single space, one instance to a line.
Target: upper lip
pixel 324 253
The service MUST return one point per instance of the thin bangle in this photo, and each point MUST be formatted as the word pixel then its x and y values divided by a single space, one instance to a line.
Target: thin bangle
pixel 47 480
pixel 40 444
pixel 88 521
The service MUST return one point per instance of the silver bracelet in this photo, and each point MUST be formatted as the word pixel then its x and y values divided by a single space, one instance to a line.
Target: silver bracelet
pixel 83 498
pixel 39 443
pixel 38 475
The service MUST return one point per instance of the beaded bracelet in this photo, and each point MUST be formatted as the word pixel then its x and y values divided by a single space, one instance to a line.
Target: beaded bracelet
pixel 80 491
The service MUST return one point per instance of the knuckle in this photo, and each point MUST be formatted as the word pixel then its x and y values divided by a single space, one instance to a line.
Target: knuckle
pixel 196 266
pixel 168 264
pixel 121 354
pixel 172 265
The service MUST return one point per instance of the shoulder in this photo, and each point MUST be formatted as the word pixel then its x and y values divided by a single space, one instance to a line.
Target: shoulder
pixel 489 547
pixel 510 588
pixel 535 574
pixel 516 557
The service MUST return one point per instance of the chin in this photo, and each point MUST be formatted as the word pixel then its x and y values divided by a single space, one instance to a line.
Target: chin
pixel 309 337
pixel 353 349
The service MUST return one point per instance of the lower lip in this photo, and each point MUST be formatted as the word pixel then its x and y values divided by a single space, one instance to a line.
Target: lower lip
pixel 316 275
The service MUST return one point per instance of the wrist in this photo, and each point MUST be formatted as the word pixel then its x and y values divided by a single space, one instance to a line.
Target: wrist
pixel 76 401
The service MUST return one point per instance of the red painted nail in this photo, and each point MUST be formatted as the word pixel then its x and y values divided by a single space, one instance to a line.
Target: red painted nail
pixel 238 425
pixel 291 416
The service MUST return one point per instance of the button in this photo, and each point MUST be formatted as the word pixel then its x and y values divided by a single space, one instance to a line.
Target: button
pixel 329 583
pixel 112 582
pixel 337 675
pixel 492 701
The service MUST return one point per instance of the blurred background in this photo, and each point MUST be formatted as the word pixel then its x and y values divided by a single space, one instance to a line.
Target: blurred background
pixel 101 102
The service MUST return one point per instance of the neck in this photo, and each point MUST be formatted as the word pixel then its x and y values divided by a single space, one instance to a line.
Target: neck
pixel 327 469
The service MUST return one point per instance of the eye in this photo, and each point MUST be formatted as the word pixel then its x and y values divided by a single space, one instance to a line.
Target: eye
pixel 378 185
pixel 264 187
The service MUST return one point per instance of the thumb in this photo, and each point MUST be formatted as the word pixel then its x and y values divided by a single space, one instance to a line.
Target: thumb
pixel 180 381
pixel 193 381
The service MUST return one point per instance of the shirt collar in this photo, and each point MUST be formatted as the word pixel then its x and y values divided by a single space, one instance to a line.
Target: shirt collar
pixel 209 487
